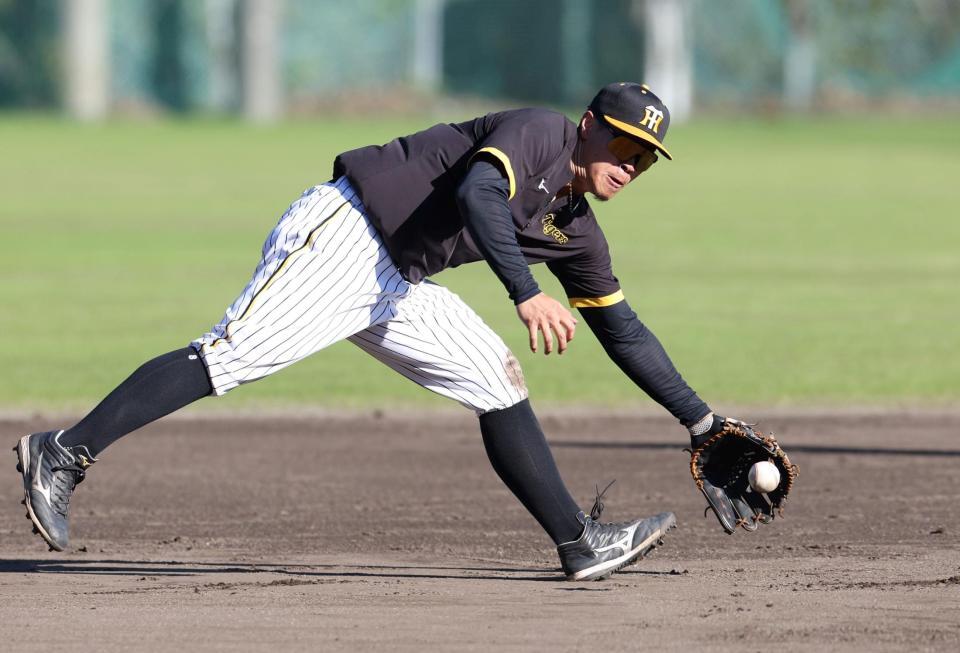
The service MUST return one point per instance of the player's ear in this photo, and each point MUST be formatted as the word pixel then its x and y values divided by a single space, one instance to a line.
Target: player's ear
pixel 587 124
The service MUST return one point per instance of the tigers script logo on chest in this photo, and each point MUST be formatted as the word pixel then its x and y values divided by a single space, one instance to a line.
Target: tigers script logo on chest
pixel 550 230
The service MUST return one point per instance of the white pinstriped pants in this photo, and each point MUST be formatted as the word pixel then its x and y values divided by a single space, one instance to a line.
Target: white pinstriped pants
pixel 325 275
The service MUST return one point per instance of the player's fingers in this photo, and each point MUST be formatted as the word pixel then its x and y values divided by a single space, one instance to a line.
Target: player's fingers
pixel 561 338
pixel 557 327
pixel 570 327
pixel 547 338
pixel 533 327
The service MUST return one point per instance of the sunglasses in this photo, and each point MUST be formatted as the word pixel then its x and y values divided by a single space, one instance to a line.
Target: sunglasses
pixel 630 151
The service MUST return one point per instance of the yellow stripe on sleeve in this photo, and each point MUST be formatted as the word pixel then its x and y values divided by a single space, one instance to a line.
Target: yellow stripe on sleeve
pixel 505 161
pixel 596 302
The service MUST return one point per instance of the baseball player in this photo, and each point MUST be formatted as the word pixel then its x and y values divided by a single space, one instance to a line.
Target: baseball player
pixel 352 259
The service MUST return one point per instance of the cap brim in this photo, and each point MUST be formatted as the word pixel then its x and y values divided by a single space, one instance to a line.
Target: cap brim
pixel 638 133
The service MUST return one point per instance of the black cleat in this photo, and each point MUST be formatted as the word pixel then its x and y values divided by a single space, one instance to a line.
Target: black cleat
pixel 50 473
pixel 604 548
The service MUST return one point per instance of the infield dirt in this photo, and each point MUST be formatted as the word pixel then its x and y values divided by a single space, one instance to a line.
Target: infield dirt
pixel 337 532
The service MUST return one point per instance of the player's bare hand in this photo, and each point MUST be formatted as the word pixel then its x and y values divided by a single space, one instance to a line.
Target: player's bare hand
pixel 543 314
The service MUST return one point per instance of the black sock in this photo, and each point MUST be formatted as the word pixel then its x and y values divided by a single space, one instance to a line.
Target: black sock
pixel 159 387
pixel 521 457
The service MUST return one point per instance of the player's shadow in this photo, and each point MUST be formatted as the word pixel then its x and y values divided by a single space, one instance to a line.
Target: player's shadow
pixel 305 572
pixel 794 448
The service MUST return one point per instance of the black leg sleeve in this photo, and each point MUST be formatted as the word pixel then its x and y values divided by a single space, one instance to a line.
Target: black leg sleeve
pixel 159 387
pixel 521 457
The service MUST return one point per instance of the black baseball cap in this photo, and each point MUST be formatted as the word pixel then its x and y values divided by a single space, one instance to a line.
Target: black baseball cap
pixel 634 110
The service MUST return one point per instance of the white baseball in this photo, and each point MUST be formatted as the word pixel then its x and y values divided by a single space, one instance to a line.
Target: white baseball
pixel 764 476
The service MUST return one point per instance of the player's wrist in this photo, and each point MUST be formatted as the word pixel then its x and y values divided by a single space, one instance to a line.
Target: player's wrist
pixel 702 425
pixel 705 428
pixel 522 296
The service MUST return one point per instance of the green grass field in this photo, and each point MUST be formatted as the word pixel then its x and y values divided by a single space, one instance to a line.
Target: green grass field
pixel 791 263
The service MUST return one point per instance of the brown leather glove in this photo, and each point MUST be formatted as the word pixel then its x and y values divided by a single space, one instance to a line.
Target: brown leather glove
pixel 720 461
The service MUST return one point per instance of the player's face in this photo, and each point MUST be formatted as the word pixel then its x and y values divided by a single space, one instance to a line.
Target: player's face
pixel 608 160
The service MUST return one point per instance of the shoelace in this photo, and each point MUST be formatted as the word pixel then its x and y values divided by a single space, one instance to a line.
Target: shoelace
pixel 598 506
pixel 64 484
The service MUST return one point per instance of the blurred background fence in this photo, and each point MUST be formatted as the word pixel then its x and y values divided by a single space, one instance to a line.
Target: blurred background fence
pixel 826 256
pixel 268 58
